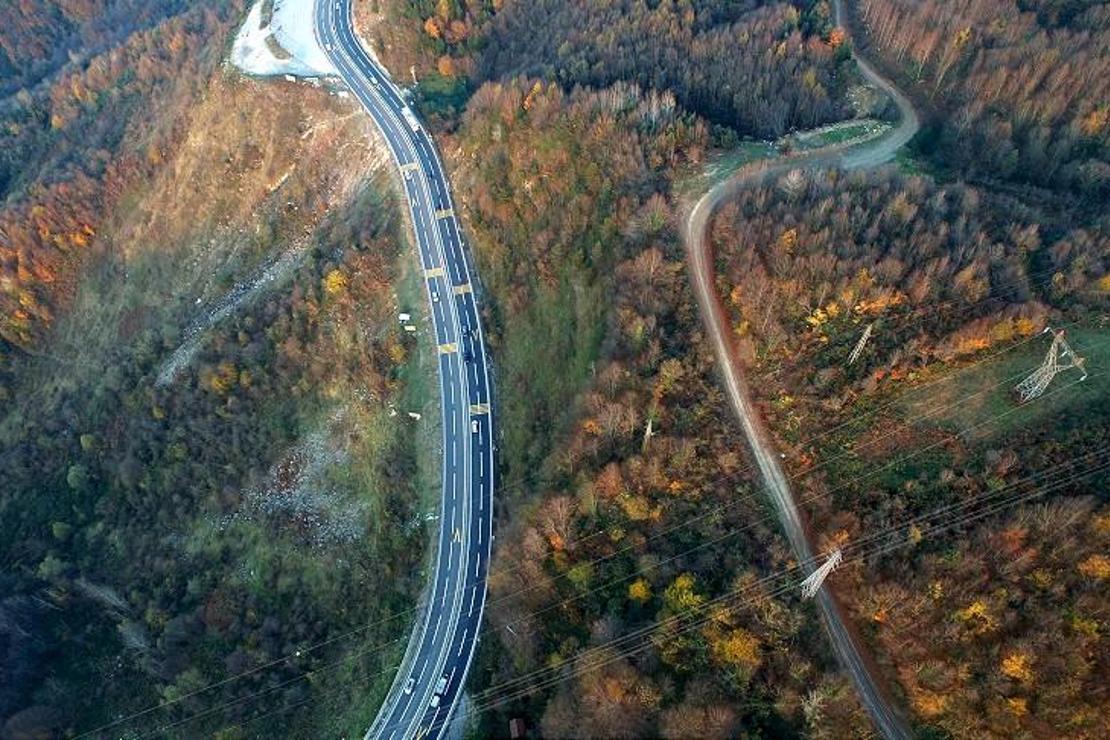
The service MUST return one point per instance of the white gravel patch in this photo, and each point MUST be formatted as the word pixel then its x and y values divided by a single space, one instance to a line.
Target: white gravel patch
pixel 298 497
pixel 291 27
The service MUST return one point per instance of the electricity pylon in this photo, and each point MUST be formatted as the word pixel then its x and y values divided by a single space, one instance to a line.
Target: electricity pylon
pixel 1060 357
pixel 648 434
pixel 812 585
pixel 861 344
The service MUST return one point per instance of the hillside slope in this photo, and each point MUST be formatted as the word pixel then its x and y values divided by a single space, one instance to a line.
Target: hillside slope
pixel 180 550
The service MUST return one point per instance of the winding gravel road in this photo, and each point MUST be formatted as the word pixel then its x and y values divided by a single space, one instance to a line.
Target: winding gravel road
pixel 887 718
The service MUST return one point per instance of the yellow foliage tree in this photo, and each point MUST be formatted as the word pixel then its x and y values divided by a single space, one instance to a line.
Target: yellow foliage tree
pixel 1096 566
pixel 738 648
pixel 788 240
pixel 680 595
pixel 335 282
pixel 446 66
pixel 977 617
pixel 1017 667
pixel 639 590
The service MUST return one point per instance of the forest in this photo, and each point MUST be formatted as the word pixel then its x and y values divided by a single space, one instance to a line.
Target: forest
pixel 755 68
pixel 208 496
pixel 72 146
pixel 1019 88
pixel 624 498
pixel 182 493
pixel 38 39
pixel 988 624
pixel 627 500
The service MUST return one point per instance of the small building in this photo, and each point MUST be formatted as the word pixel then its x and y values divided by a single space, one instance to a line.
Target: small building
pixel 404 318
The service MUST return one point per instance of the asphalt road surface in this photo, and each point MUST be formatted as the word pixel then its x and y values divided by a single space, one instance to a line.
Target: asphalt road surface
pixel 442 645
pixel 845 643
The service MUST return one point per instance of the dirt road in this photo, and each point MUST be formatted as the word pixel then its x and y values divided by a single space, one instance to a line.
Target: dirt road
pixel 849 652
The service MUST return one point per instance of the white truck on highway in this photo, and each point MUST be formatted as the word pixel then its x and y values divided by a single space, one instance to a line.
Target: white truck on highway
pixel 410 119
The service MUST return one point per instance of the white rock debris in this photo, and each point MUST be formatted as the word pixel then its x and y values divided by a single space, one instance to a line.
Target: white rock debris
pixel 284 46
pixel 299 497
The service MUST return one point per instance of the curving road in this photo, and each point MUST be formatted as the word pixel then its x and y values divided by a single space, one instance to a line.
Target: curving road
pixel 845 644
pixel 442 645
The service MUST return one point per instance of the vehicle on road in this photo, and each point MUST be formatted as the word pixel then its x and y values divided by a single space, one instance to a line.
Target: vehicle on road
pixel 441 686
pixel 435 296
pixel 410 119
pixel 409 684
pixel 474 426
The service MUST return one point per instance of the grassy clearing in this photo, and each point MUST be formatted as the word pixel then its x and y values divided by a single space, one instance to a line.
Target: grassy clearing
pixel 840 133
pixel 420 384
pixel 970 398
pixel 909 164
pixel 721 166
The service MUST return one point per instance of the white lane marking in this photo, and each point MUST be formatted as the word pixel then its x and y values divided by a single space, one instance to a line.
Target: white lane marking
pixel 477 565
pixel 421 143
pixel 473 595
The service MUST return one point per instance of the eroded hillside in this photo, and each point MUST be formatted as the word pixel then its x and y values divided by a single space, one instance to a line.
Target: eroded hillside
pixel 212 489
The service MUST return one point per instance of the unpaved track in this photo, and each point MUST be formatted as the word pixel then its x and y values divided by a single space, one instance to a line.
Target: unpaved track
pixel 873 697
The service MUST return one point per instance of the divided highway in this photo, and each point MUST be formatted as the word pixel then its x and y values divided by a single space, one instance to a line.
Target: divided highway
pixel 442 645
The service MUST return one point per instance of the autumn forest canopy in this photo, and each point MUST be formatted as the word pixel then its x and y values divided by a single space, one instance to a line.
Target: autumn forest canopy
pixel 203 385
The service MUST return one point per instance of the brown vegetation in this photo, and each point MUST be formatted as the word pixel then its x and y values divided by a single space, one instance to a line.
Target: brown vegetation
pixel 605 527
pixel 158 538
pixel 1022 87
pixel 973 623
pixel 760 68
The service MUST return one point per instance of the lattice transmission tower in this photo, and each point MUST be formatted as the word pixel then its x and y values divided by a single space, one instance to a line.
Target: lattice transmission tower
pixel 812 585
pixel 861 344
pixel 1060 357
